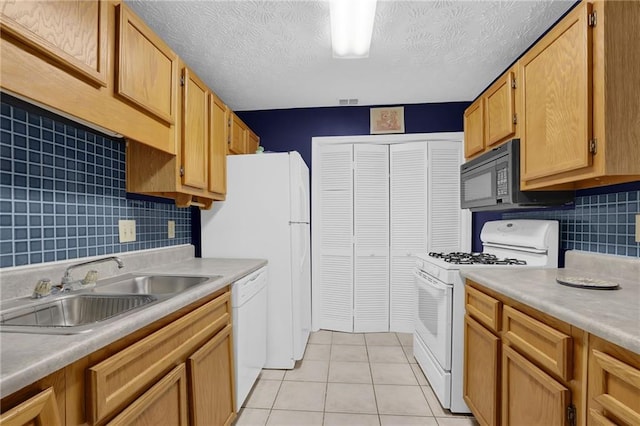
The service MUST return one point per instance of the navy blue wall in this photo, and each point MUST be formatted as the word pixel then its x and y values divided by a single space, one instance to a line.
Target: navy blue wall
pixel 292 129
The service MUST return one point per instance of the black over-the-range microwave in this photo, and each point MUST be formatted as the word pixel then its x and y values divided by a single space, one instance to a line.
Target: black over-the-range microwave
pixel 492 182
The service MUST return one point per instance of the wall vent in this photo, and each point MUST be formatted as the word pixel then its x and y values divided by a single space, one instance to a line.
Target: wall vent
pixel 348 101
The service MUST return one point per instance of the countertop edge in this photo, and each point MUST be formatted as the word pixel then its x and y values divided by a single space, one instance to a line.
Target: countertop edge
pixel 564 313
pixel 81 345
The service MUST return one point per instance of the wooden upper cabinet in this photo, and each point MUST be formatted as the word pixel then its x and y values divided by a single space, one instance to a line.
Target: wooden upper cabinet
pixel 252 142
pixel 195 131
pixel 237 136
pixel 500 114
pixel 72 34
pixel 578 116
pixel 474 128
pixel 556 99
pixel 41 409
pixel 146 71
pixel 218 133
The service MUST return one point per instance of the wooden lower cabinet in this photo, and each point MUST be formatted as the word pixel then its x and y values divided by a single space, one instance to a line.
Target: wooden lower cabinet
pixel 211 381
pixel 165 403
pixel 614 385
pixel 41 409
pixel 481 372
pixel 529 395
pixel 530 371
pixel 176 371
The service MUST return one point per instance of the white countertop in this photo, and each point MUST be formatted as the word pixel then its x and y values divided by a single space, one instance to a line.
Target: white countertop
pixel 26 358
pixel 613 315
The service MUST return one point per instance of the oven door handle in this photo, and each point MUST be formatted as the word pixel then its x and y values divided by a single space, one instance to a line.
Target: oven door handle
pixel 430 281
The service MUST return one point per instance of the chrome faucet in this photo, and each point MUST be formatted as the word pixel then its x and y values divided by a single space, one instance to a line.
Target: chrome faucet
pixel 67 278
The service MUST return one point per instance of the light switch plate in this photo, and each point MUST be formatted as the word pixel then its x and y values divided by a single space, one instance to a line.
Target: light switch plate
pixel 638 228
pixel 171 229
pixel 127 230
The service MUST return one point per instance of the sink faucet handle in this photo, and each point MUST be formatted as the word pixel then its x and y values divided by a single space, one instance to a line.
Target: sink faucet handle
pixel 42 289
pixel 90 278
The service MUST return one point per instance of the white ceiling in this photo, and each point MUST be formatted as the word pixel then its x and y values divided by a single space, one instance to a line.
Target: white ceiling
pixel 277 54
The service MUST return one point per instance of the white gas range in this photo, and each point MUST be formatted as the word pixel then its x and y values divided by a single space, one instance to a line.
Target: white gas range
pixel 439 333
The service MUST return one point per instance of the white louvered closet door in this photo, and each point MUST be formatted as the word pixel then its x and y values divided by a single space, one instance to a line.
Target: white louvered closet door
pixel 409 212
pixel 335 269
pixel 444 197
pixel 371 243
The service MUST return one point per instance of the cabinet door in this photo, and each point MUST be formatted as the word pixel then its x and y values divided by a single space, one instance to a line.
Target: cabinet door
pixel 500 110
pixel 371 232
pixel 614 387
pixel 531 394
pixel 333 261
pixel 481 389
pixel 195 131
pixel 238 136
pixel 474 128
pixel 253 141
pixel 73 34
pixel 146 73
pixel 211 381
pixel 41 409
pixel 556 99
pixel 218 129
pixel 164 404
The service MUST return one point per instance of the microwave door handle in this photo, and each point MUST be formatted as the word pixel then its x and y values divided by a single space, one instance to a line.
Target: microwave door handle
pixel 430 282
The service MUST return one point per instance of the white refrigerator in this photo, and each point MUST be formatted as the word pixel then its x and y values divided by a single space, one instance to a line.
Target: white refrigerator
pixel 266 215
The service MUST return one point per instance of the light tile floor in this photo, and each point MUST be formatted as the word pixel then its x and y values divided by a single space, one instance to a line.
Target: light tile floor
pixel 349 379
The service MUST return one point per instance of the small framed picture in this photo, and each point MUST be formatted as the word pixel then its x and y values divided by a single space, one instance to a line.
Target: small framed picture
pixel 387 120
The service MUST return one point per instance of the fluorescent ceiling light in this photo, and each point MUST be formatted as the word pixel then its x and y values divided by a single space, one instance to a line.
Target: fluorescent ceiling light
pixel 351 27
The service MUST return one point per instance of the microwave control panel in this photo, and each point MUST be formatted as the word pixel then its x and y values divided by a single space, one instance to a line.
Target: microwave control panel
pixel 502 182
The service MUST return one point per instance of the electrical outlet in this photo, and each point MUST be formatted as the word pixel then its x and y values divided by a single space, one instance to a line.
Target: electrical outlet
pixel 638 228
pixel 171 229
pixel 127 230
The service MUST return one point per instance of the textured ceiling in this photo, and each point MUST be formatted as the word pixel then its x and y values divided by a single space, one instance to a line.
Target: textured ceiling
pixel 277 54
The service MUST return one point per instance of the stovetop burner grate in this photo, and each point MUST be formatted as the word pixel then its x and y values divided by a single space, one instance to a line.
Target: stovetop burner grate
pixel 462 258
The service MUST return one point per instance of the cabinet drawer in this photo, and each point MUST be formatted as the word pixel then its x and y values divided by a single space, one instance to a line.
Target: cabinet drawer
pixel 165 403
pixel 546 346
pixel 483 308
pixel 39 409
pixel 118 380
pixel 614 387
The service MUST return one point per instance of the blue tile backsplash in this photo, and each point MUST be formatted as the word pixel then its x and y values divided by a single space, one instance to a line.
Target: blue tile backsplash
pixel 603 223
pixel 62 192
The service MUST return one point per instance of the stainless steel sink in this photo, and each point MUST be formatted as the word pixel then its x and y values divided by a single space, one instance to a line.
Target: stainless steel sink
pixel 110 300
pixel 72 313
pixel 153 284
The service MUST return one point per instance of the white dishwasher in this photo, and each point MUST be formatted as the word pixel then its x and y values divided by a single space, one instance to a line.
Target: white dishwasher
pixel 249 306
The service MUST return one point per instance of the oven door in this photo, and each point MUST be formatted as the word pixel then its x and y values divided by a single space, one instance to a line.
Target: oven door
pixel 433 316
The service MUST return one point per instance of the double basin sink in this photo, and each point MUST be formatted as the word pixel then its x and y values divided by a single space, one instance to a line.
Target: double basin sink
pixel 81 311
